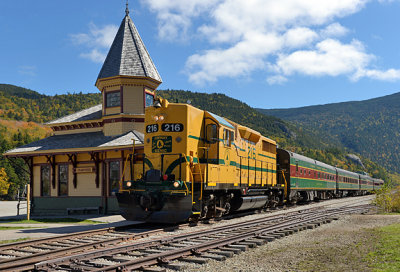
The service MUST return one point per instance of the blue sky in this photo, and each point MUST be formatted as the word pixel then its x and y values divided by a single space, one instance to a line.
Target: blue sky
pixel 266 53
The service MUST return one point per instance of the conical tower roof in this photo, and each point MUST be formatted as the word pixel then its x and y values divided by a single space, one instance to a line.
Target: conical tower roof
pixel 128 56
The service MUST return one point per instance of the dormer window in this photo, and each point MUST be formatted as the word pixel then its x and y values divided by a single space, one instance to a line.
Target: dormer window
pixel 113 99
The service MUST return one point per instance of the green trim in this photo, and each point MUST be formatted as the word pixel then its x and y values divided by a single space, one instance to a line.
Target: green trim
pixel 302 183
pixel 266 156
pixel 195 137
pixel 195 160
pixel 148 162
pixel 241 149
pixel 174 164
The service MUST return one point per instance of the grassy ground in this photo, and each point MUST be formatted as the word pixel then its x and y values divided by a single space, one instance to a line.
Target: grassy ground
pixel 386 256
pixel 8 228
pixel 374 250
pixel 52 220
pixel 14 241
pixel 332 254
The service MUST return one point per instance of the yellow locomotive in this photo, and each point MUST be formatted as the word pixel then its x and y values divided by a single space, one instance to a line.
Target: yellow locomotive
pixel 197 164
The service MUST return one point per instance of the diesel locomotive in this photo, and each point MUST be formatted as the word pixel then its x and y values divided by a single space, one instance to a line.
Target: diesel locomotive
pixel 196 164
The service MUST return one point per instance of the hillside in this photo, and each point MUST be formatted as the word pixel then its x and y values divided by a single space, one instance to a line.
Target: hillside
pixel 22 104
pixel 283 132
pixel 370 128
pixel 21 111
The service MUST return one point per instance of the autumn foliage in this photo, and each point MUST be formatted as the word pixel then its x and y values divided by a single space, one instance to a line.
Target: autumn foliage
pixel 4 185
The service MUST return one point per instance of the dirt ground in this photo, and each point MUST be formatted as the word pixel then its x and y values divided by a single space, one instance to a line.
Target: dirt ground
pixel 339 246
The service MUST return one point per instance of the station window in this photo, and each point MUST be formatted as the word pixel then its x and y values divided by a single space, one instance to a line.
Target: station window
pixel 45 180
pixel 63 179
pixel 113 99
pixel 114 176
pixel 149 100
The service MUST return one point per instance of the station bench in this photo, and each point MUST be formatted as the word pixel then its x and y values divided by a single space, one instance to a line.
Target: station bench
pixel 84 210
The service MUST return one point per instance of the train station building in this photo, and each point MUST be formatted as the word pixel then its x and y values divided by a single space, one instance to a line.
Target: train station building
pixel 79 167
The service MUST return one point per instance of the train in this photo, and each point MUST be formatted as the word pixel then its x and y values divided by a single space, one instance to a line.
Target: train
pixel 198 165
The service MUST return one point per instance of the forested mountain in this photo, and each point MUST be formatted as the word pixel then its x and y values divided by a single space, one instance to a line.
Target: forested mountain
pixel 22 104
pixel 283 132
pixel 370 128
pixel 22 110
pixel 288 135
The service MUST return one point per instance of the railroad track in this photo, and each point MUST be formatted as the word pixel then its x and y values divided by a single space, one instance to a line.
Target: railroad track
pixel 22 256
pixel 198 246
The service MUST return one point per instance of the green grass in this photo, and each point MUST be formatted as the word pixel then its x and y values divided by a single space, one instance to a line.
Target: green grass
pixel 52 220
pixel 14 241
pixel 8 228
pixel 386 256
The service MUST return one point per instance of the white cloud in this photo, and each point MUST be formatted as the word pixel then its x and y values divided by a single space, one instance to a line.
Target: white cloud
pixel 175 17
pixel 98 41
pixel 94 55
pixel 300 36
pixel 334 30
pixel 281 38
pixel 278 79
pixel 388 75
pixel 330 57
pixel 239 60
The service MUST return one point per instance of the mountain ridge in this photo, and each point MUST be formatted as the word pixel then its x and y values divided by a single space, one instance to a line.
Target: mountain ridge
pixel 22 109
pixel 369 127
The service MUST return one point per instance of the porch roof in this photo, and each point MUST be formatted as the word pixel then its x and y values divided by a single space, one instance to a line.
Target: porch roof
pixel 70 143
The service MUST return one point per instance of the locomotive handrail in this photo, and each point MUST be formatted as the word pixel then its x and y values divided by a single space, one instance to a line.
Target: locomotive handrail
pixel 284 178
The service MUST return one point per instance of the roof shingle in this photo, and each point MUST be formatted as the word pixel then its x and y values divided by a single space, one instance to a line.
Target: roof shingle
pixel 79 140
pixel 92 113
pixel 128 56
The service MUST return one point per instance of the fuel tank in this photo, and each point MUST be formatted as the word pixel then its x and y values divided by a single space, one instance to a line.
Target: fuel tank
pixel 251 202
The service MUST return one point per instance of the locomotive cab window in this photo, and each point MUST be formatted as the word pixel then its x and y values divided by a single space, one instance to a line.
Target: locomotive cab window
pixel 228 137
pixel 211 133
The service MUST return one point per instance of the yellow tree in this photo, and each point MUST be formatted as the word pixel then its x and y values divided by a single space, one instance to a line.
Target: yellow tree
pixel 4 185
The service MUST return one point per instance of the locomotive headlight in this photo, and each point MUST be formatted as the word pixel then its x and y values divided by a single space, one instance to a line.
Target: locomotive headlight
pixel 176 184
pixel 158 118
pixel 128 184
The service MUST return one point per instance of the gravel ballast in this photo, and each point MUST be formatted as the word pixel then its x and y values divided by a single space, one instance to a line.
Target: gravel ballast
pixel 338 246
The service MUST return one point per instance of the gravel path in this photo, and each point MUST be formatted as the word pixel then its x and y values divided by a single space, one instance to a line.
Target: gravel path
pixel 338 246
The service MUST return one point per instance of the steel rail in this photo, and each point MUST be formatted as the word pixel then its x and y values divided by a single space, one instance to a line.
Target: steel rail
pixel 168 256
pixel 150 260
pixel 65 237
pixel 27 262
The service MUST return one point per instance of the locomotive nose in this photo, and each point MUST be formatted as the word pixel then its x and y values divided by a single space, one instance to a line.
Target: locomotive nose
pixel 149 202
pixel 146 202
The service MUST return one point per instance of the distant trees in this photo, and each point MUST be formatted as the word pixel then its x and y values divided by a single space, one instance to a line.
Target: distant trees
pixel 4 184
pixel 13 134
pixel 22 104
